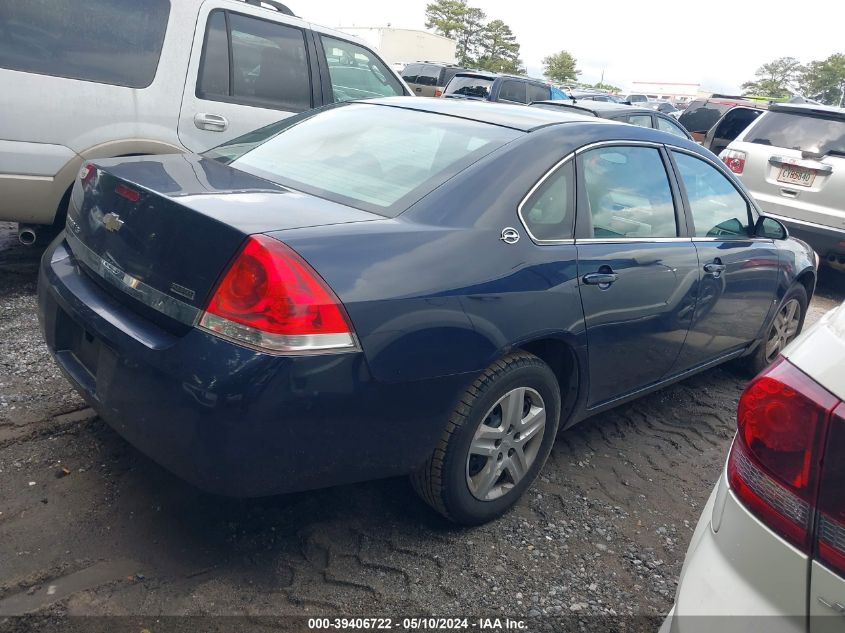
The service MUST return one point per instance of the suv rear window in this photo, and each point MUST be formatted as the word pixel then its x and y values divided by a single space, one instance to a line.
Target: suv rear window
pixel 806 133
pixel 377 158
pixel 700 116
pixel 114 42
pixel 469 86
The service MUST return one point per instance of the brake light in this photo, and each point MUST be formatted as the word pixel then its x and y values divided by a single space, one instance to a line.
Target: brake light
pixel 438 92
pixel 271 299
pixel 734 159
pixel 831 530
pixel 774 463
pixel 125 192
pixel 87 173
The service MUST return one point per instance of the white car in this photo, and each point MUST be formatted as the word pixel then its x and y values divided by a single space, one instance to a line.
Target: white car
pixel 771 539
pixel 105 78
pixel 792 160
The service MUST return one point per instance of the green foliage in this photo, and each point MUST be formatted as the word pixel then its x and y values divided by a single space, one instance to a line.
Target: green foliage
pixel 481 44
pixel 824 80
pixel 775 79
pixel 561 67
pixel 603 86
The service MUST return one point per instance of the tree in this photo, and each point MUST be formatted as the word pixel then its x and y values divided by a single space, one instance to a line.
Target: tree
pixel 603 86
pixel 498 48
pixel 824 80
pixel 457 20
pixel 775 79
pixel 560 67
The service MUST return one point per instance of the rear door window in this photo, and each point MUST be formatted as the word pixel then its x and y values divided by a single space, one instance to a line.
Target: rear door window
pixel 628 193
pixel 514 91
pixel 549 214
pixel 670 126
pixel 256 62
pixel 718 210
pixel 812 134
pixel 700 116
pixel 469 86
pixel 643 120
pixel 357 73
pixel 538 92
pixel 114 42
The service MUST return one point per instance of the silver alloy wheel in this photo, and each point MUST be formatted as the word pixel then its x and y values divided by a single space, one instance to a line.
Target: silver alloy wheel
pixel 784 328
pixel 506 444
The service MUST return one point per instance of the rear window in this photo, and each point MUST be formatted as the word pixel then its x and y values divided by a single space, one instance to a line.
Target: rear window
pixel 469 86
pixel 106 41
pixel 814 134
pixel 700 116
pixel 377 158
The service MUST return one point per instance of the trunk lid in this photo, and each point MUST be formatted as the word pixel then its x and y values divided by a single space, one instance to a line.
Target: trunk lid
pixel 161 230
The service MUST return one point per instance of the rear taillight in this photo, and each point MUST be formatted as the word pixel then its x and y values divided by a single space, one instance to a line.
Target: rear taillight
pixel 438 92
pixel 831 504
pixel 87 173
pixel 271 299
pixel 775 461
pixel 125 192
pixel 734 159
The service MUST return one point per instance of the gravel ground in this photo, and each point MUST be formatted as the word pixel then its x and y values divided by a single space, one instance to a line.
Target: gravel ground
pixel 90 526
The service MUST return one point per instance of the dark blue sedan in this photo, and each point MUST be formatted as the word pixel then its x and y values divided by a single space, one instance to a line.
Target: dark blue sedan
pixel 407 286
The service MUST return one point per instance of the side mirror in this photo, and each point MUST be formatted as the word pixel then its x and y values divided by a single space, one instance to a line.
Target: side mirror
pixel 770 228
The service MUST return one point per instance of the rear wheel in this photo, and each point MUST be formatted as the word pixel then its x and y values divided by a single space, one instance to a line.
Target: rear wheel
pixel 787 324
pixel 496 442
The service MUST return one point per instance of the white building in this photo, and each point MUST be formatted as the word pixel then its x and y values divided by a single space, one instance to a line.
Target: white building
pixel 399 46
pixel 676 92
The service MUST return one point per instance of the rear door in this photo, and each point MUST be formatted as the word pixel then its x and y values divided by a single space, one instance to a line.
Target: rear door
pixel 795 166
pixel 637 270
pixel 738 273
pixel 729 127
pixel 246 71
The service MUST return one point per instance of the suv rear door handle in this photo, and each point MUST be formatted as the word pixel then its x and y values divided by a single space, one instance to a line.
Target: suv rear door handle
pixel 602 279
pixel 211 122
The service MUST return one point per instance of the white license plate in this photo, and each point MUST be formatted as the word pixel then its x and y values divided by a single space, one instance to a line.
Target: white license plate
pixel 794 175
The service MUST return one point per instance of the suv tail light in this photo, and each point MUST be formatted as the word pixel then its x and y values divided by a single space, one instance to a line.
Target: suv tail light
pixel 831 504
pixel 734 159
pixel 438 92
pixel 272 300
pixel 775 461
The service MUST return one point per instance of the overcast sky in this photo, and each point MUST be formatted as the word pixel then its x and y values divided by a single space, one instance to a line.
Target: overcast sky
pixel 715 42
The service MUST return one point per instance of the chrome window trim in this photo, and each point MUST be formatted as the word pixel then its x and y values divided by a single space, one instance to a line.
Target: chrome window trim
pixel 531 192
pixel 618 142
pixel 630 240
pixel 149 296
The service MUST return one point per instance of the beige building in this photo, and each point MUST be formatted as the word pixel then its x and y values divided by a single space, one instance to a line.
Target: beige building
pixel 400 46
pixel 675 92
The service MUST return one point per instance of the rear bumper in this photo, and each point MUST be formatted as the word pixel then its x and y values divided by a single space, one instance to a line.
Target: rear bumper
pixel 738 575
pixel 231 420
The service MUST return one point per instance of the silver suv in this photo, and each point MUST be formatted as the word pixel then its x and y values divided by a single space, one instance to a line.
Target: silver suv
pixel 792 160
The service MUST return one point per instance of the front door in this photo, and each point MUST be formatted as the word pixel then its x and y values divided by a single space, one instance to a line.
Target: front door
pixel 738 272
pixel 637 271
pixel 245 72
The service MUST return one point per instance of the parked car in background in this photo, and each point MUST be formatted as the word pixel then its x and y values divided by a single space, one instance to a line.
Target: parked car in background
pixel 639 99
pixel 702 115
pixel 427 79
pixel 152 78
pixel 481 85
pixel 771 539
pixel 352 293
pixel 634 115
pixel 663 106
pixel 594 95
pixel 792 160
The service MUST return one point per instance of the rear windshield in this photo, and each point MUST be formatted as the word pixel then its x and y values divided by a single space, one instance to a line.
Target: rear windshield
pixel 814 134
pixel 700 116
pixel 106 41
pixel 376 158
pixel 468 86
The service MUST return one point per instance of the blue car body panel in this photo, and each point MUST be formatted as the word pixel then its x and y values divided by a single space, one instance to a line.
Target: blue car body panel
pixel 434 296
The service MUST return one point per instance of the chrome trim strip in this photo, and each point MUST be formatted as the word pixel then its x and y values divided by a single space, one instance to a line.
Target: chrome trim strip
pixel 149 296
pixel 531 192
pixel 618 142
pixel 631 240
pixel 815 165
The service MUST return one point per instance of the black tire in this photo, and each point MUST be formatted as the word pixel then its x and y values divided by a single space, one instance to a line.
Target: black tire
pixel 760 358
pixel 442 481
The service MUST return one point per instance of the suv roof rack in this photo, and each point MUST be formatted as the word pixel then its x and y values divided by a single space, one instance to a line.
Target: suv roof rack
pixel 277 6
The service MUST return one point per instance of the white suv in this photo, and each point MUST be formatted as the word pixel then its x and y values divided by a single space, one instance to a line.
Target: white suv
pixel 102 78
pixel 792 160
pixel 771 539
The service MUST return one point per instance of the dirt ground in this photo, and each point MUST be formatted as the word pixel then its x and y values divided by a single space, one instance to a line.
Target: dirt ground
pixel 90 526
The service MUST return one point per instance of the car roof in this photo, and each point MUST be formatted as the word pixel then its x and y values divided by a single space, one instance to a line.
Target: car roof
pixel 517 117
pixel 491 75
pixel 808 108
pixel 599 108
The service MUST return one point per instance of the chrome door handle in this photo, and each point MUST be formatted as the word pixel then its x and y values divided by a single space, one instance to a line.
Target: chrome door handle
pixel 714 268
pixel 211 122
pixel 602 280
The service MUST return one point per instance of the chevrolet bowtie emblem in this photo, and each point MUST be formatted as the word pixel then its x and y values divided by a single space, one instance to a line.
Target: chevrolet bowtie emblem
pixel 112 222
